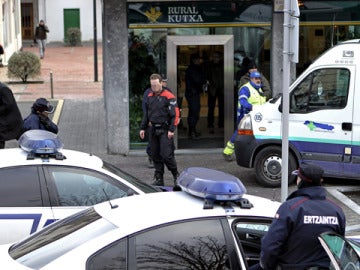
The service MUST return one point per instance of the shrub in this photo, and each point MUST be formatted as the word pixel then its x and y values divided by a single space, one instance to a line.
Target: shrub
pixel 73 37
pixel 23 65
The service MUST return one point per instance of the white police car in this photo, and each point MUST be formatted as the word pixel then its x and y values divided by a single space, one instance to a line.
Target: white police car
pixel 41 183
pixel 211 224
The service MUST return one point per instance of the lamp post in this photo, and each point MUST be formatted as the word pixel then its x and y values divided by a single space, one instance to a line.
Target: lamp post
pixel 95 45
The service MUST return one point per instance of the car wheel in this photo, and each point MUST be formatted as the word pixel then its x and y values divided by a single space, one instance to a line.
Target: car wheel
pixel 268 167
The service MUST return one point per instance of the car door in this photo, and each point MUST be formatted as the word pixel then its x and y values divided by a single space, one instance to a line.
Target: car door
pixel 72 189
pixel 342 253
pixel 24 202
pixel 321 117
pixel 249 232
pixel 205 243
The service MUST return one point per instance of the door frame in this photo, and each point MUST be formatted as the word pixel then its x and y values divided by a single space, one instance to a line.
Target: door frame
pixel 171 66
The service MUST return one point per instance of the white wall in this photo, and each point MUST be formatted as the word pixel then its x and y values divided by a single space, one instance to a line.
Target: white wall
pixel 55 18
pixel 10 28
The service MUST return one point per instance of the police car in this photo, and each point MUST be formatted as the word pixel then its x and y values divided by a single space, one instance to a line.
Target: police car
pixel 211 224
pixel 41 182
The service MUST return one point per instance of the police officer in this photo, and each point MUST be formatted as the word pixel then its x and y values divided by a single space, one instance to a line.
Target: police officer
pixel 291 242
pixel 39 117
pixel 10 117
pixel 162 116
pixel 143 106
pixel 249 94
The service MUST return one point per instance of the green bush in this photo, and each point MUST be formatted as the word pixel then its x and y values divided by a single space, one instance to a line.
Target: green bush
pixel 23 65
pixel 73 37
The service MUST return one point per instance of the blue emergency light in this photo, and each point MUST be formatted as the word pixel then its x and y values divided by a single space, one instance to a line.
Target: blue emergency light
pixel 211 184
pixel 40 142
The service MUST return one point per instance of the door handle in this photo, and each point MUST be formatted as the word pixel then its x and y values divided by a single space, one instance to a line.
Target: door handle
pixel 346 126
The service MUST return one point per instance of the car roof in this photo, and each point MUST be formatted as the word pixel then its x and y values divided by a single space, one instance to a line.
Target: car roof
pixel 139 212
pixel 16 157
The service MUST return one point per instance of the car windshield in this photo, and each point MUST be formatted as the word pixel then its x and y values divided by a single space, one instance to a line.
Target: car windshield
pixel 60 237
pixel 146 188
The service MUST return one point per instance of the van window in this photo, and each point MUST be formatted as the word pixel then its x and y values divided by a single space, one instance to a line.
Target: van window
pixel 322 89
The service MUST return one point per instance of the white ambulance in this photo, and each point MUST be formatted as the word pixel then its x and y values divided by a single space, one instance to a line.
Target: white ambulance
pixel 324 121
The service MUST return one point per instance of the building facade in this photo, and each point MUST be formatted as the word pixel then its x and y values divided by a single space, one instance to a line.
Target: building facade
pixel 169 32
pixel 60 16
pixel 142 37
pixel 10 25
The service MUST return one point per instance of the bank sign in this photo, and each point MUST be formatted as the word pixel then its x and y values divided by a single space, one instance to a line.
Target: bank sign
pixel 198 12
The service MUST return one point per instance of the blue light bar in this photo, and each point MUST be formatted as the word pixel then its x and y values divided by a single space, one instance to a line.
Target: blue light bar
pixel 211 184
pixel 40 142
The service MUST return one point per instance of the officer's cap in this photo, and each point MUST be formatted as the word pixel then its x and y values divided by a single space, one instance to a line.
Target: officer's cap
pixel 310 173
pixel 42 105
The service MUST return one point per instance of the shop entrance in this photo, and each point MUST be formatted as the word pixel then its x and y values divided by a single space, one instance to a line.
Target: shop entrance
pixel 179 51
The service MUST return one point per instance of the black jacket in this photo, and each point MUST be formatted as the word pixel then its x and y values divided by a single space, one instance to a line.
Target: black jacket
pixel 40 32
pixel 10 117
pixel 292 238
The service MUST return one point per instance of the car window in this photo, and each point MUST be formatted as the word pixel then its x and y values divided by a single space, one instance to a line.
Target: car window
pixel 82 187
pixel 59 238
pixel 146 188
pixel 111 257
pixel 194 244
pixel 343 255
pixel 322 89
pixel 250 233
pixel 20 187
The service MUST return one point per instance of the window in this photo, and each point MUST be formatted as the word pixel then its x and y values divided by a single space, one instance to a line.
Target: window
pixel 250 232
pixel 43 247
pixel 81 187
pixel 195 244
pixel 188 245
pixel 20 187
pixel 111 257
pixel 322 89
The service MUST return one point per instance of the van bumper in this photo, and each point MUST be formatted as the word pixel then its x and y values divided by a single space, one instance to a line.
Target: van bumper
pixel 245 146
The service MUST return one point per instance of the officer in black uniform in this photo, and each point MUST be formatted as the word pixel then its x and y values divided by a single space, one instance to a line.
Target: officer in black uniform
pixel 291 242
pixel 162 116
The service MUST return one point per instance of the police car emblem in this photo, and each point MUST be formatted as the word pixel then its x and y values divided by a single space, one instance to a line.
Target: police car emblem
pixel 258 117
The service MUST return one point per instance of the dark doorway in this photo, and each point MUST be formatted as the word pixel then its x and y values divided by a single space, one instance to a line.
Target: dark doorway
pixel 211 132
pixel 27 21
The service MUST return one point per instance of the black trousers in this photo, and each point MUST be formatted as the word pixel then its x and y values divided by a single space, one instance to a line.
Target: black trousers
pixel 211 108
pixel 162 151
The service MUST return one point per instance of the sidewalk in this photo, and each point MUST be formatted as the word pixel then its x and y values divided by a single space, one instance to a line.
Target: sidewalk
pixel 72 71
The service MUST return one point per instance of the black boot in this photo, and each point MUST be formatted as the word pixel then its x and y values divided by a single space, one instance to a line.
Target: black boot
pixel 158 180
pixel 175 175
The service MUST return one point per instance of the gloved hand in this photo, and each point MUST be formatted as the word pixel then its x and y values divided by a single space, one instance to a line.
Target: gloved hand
pixel 44 120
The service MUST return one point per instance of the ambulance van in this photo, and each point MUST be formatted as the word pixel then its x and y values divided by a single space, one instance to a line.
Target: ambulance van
pixel 324 121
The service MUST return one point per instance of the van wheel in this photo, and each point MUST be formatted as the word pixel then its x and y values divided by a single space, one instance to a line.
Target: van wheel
pixel 268 167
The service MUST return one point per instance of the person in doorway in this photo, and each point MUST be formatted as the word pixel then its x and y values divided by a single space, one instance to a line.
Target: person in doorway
pixel 39 117
pixel 162 116
pixel 292 240
pixel 143 105
pixel 41 36
pixel 215 78
pixel 194 79
pixel 11 122
pixel 249 94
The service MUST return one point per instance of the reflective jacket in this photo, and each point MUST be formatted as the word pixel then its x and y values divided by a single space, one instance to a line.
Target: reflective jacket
pixel 247 97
